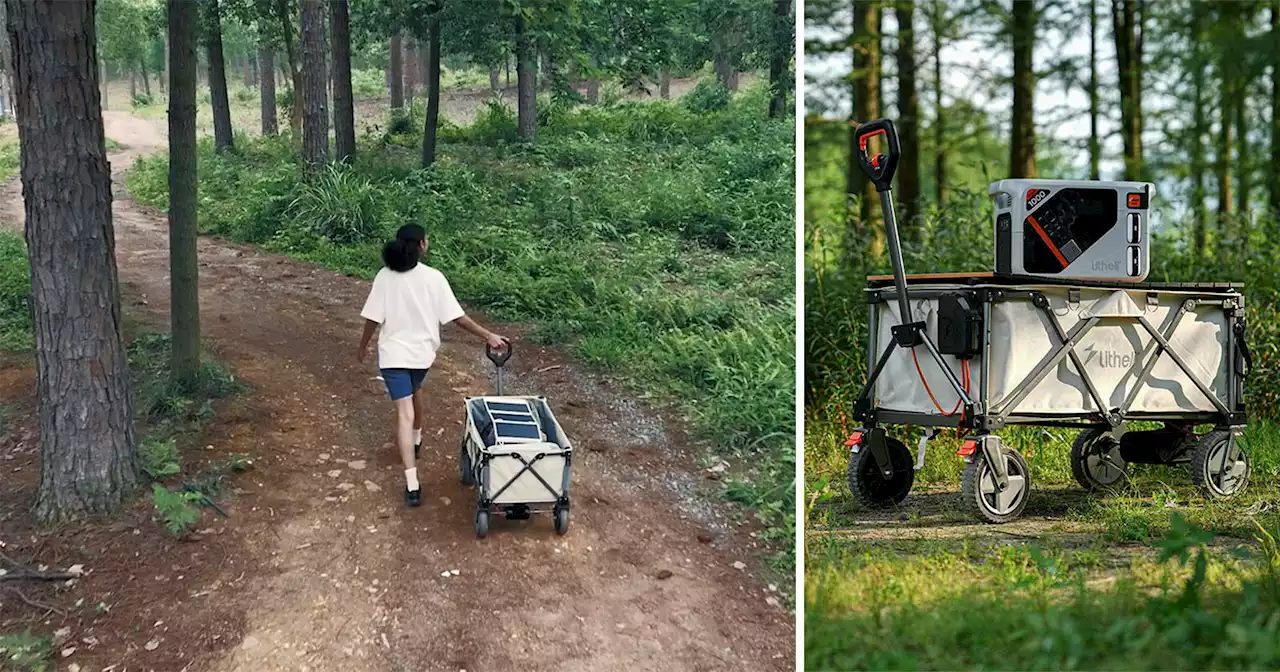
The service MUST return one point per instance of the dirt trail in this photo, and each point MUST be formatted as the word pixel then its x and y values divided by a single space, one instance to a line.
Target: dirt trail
pixel 321 567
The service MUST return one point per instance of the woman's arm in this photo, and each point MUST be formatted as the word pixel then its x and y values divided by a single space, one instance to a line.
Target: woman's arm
pixel 495 341
pixel 369 327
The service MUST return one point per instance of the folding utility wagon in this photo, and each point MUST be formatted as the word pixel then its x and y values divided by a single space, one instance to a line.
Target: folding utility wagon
pixel 516 456
pixel 984 351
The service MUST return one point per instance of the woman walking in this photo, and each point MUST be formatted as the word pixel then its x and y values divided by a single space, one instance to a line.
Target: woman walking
pixel 410 301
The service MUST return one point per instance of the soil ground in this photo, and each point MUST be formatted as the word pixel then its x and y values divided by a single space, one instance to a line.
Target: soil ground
pixel 320 566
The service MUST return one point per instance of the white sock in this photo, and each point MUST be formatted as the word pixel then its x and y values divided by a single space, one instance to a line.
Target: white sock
pixel 411 479
pixel 417 436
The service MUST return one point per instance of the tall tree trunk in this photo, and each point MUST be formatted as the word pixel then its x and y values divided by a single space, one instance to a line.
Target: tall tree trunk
pixel 783 48
pixel 936 19
pixel 410 70
pixel 1244 159
pixel 495 79
pixel 267 88
pixel 1274 176
pixel 133 84
pixel 252 78
pixel 146 81
pixel 1200 128
pixel 908 123
pixel 432 83
pixel 102 76
pixel 1022 144
pixel 344 105
pixel 396 73
pixel 1127 16
pixel 1095 145
pixel 728 40
pixel 222 134
pixel 284 15
pixel 866 107
pixel 664 84
pixel 593 90
pixel 424 64
pixel 164 70
pixel 88 455
pixel 1226 139
pixel 526 84
pixel 315 113
pixel 184 282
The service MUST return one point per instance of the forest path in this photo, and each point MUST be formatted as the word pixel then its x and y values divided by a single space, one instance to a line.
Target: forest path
pixel 326 567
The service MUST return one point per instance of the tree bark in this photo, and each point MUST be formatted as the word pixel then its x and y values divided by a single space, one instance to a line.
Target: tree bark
pixel 908 123
pixel 1022 144
pixel 526 84
pixel 344 112
pixel 1274 176
pixel 495 79
pixel 284 15
pixel 146 81
pixel 1200 128
pixel 1095 145
pixel 267 88
pixel 315 115
pixel 396 73
pixel 783 48
pixel 593 90
pixel 432 74
pixel 1244 158
pixel 88 454
pixel 866 107
pixel 222 134
pixel 1225 137
pixel 410 70
pixel 939 123
pixel 184 284
pixel 133 84
pixel 164 71
pixel 664 84
pixel 1126 15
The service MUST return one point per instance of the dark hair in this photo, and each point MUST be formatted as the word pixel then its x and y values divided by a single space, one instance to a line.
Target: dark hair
pixel 401 254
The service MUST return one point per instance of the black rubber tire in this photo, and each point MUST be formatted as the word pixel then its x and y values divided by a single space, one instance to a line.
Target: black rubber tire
pixel 1205 461
pixel 977 469
pixel 1091 479
pixel 562 520
pixel 482 523
pixel 466 473
pixel 870 486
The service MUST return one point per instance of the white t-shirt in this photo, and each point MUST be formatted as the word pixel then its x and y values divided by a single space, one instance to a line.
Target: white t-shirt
pixel 410 306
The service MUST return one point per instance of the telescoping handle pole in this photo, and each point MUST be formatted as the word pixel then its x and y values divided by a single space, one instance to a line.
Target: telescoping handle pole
pixel 880 169
pixel 499 357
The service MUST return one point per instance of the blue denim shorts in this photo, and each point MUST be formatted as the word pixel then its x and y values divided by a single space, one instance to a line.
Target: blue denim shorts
pixel 402 383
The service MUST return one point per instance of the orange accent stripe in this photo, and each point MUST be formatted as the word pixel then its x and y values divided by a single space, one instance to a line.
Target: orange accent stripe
pixel 1045 237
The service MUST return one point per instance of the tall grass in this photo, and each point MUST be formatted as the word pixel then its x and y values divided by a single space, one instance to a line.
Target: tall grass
pixel 15 294
pixel 651 239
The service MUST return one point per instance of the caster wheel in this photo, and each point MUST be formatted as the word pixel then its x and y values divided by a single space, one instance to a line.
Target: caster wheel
pixel 1096 462
pixel 562 520
pixel 978 486
pixel 870 486
pixel 482 523
pixel 466 474
pixel 1219 465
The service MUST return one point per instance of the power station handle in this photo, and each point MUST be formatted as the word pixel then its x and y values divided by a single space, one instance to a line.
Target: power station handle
pixel 499 356
pixel 880 167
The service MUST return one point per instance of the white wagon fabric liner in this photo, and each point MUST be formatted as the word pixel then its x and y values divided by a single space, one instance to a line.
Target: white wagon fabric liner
pixel 517 462
pixel 1113 351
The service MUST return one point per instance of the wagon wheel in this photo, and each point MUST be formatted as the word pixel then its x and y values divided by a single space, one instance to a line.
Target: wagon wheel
pixel 1219 465
pixel 978 486
pixel 562 519
pixel 870 486
pixel 1096 462
pixel 482 522
pixel 466 472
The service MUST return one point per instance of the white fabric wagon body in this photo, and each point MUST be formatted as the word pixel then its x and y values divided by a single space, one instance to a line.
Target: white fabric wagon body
pixel 517 451
pixel 1020 370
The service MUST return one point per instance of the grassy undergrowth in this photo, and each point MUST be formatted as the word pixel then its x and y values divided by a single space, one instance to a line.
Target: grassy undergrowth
pixel 654 240
pixel 15 292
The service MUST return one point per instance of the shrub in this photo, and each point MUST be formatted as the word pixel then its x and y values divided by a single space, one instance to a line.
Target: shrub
pixel 15 294
pixel 707 96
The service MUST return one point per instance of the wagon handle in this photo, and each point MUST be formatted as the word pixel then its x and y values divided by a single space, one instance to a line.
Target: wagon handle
pixel 878 167
pixel 499 356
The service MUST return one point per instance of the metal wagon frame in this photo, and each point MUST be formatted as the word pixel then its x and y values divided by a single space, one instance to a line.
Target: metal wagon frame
pixel 996 477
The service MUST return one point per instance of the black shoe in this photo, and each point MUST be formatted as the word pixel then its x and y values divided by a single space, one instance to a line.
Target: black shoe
pixel 417 448
pixel 413 497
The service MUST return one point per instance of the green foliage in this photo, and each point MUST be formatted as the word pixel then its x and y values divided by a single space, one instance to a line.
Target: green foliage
pixel 707 96
pixel 15 293
pixel 159 399
pixel 10 159
pixel 141 99
pixel 178 509
pixel 26 652
pixel 368 84
pixel 1043 608
pixel 159 458
pixel 650 240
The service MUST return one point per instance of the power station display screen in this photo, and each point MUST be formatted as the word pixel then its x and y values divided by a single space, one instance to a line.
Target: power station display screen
pixel 1061 226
